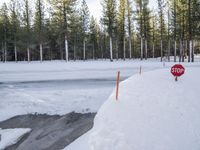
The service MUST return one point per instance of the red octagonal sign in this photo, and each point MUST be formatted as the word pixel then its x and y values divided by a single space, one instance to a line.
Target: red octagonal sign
pixel 177 70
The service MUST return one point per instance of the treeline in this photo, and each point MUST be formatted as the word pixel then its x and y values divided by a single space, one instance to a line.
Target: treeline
pixel 65 30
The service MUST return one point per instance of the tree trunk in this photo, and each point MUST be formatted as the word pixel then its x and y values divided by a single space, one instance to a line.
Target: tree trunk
pixel 180 52
pixel 61 50
pixel 50 53
pixel 141 50
pixel 124 47
pixel 193 50
pixel 174 51
pixel 2 57
pixel 183 52
pixel 161 50
pixel 145 49
pixel 15 51
pixel 117 51
pixel 101 51
pixel 66 49
pixel 84 49
pixel 41 53
pixel 111 54
pixel 186 48
pixel 169 52
pixel 190 51
pixel 93 57
pixel 74 52
pixel 28 54
pixel 130 47
pixel 153 50
pixel 5 53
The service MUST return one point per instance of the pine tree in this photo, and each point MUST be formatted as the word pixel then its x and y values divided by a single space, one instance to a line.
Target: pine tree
pixel 75 28
pixel 15 25
pixel 93 36
pixel 109 20
pixel 63 9
pixel 85 24
pixel 39 25
pixel 27 27
pixel 130 26
pixel 5 30
pixel 146 27
pixel 161 6
pixel 121 22
pixel 174 21
pixel 153 24
pixel 139 10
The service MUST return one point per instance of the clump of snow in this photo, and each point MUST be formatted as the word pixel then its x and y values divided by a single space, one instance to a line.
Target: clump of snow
pixel 153 113
pixel 11 136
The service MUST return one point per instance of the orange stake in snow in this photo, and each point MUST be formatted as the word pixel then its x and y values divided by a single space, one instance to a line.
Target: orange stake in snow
pixel 117 84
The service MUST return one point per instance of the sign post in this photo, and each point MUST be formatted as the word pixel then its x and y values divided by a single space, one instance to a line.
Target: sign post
pixel 177 71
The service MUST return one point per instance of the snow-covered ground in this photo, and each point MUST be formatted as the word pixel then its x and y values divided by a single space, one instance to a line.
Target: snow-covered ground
pixel 11 136
pixel 153 113
pixel 58 87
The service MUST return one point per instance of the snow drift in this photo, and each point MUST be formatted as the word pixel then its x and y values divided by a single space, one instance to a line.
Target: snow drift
pixel 153 113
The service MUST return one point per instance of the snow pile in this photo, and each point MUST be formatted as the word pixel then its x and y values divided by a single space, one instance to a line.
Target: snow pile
pixel 153 113
pixel 11 136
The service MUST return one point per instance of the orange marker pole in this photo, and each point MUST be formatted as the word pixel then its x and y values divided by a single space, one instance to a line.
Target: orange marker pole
pixel 117 84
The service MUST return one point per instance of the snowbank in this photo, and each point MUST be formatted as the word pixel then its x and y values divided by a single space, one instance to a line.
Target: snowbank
pixel 153 113
pixel 11 136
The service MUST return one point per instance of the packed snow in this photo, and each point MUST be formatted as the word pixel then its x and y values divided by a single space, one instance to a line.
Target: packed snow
pixel 11 136
pixel 153 113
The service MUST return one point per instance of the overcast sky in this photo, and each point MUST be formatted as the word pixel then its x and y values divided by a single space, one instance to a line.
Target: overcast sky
pixel 95 6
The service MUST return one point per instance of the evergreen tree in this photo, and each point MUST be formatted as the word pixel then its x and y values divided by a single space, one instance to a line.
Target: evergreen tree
pixel 94 36
pixel 15 25
pixel 85 24
pixel 130 26
pixel 146 25
pixel 62 12
pixel 139 10
pixel 5 30
pixel 161 6
pixel 76 34
pixel 27 27
pixel 39 25
pixel 121 23
pixel 109 20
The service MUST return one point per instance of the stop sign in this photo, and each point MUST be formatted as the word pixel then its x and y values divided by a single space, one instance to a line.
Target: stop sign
pixel 177 70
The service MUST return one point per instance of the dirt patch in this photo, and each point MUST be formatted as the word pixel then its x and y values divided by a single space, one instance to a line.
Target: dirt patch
pixel 49 132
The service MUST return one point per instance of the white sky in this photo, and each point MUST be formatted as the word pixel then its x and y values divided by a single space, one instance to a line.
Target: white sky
pixel 95 6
